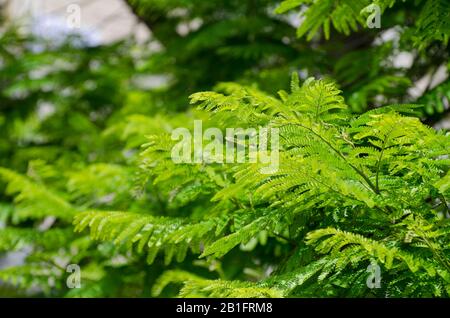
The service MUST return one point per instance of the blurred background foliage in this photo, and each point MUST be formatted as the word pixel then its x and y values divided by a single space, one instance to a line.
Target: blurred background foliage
pixel 73 115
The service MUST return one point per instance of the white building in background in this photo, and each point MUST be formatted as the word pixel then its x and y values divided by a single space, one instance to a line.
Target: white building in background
pixel 98 21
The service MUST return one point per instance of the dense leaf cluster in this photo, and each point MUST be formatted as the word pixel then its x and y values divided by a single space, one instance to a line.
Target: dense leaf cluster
pixel 87 175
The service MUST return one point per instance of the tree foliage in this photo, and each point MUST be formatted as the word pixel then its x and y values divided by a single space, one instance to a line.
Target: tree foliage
pixel 87 175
